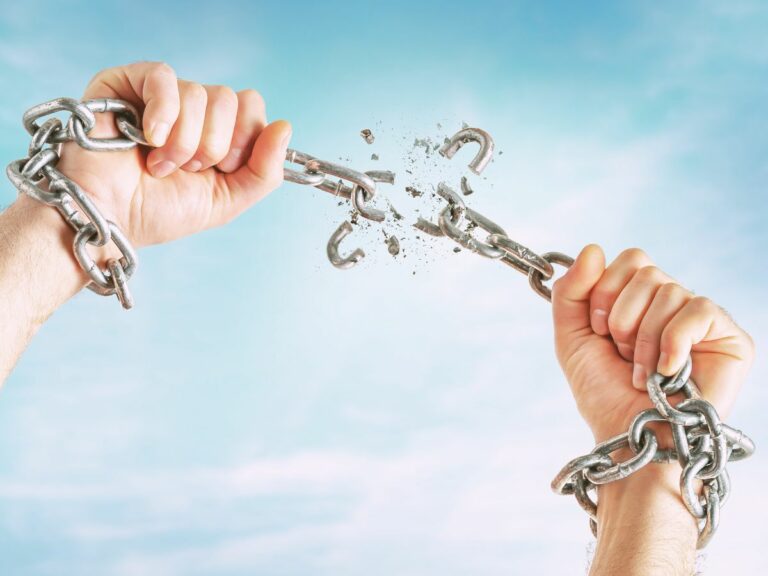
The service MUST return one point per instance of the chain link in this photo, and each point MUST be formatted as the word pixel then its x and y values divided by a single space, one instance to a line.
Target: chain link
pixel 29 174
pixel 703 445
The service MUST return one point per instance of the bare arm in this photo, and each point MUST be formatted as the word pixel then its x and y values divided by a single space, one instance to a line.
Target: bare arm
pixel 214 157
pixel 643 527
pixel 38 273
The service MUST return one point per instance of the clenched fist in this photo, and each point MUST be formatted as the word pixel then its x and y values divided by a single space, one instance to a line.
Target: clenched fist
pixel 616 325
pixel 214 156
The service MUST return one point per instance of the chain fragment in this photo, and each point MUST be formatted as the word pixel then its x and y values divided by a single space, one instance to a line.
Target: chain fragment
pixel 343 262
pixel 367 135
pixel 464 136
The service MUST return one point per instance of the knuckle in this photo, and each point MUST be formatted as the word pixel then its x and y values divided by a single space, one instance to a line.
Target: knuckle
pixel 196 94
pixel 670 290
pixel 649 274
pixel 703 305
pixel 100 76
pixel 251 99
pixel 224 95
pixel 634 255
pixel 161 69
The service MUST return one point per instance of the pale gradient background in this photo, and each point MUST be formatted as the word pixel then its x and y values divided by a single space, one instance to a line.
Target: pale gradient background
pixel 261 412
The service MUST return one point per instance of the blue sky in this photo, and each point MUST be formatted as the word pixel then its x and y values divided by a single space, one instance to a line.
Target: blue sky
pixel 260 412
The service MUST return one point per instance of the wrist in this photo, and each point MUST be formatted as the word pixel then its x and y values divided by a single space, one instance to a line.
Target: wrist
pixel 43 234
pixel 643 517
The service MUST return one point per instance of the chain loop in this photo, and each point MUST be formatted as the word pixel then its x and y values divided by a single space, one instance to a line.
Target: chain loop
pixel 703 445
pixel 77 208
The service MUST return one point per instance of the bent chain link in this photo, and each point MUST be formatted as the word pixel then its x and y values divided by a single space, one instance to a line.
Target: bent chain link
pixel 703 444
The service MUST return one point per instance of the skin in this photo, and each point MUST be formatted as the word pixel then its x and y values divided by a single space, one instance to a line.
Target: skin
pixel 215 156
pixel 615 325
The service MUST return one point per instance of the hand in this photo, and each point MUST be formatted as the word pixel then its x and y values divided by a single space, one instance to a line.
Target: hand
pixel 215 155
pixel 614 326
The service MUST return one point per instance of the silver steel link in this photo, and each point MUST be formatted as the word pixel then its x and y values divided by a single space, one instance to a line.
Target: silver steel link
pixel 77 108
pixel 521 258
pixel 68 188
pixel 484 155
pixel 44 153
pixel 712 519
pixel 125 114
pixel 536 278
pixel 703 445
pixel 101 282
pixel 344 230
pixel 565 481
pixel 719 450
pixel 43 136
pixel 620 470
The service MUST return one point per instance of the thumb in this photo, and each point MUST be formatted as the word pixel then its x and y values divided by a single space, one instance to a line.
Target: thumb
pixel 570 299
pixel 262 174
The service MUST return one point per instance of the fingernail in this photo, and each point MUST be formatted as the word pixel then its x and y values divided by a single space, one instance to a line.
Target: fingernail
pixel 162 168
pixel 639 376
pixel 235 155
pixel 286 139
pixel 663 361
pixel 158 134
pixel 194 166
pixel 600 319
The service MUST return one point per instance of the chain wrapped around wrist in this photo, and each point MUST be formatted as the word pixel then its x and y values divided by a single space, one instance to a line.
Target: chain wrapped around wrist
pixel 703 445
pixel 90 226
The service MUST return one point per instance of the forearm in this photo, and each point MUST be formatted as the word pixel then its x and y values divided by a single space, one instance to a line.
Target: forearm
pixel 38 273
pixel 643 526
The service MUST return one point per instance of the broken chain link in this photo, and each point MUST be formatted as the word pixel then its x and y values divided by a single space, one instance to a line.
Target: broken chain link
pixel 703 444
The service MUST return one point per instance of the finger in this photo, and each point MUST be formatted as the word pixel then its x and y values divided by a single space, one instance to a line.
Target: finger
pixel 251 119
pixel 721 351
pixel 700 320
pixel 185 135
pixel 571 297
pixel 617 275
pixel 238 191
pixel 153 84
pixel 630 306
pixel 220 114
pixel 667 302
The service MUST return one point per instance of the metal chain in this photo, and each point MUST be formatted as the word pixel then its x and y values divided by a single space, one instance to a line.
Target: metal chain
pixel 91 227
pixel 703 445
